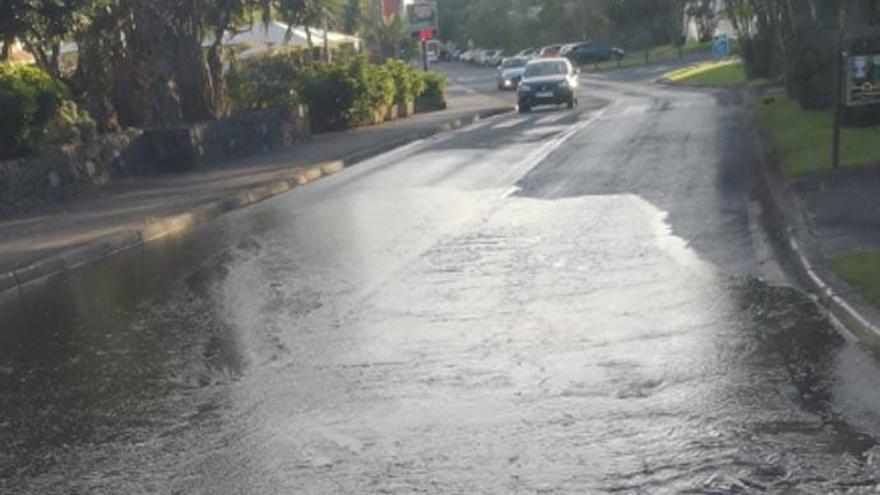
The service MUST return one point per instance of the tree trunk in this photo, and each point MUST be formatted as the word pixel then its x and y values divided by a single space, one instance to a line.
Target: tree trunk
pixel 6 52
pixel 327 55
pixel 193 81
pixel 309 42
pixel 218 78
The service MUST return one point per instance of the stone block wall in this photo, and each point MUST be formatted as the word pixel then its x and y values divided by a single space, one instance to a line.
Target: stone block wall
pixel 59 173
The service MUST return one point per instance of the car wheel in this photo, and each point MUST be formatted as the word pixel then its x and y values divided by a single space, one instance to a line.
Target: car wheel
pixel 572 103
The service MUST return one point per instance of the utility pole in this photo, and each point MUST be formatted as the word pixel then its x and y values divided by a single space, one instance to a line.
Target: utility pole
pixel 425 54
pixel 840 57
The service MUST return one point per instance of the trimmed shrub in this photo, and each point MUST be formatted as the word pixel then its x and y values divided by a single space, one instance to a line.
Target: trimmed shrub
pixel 408 81
pixel 382 90
pixel 266 82
pixel 434 85
pixel 29 101
pixel 346 92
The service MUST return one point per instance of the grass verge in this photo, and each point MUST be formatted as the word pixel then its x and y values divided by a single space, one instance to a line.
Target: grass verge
pixel 656 55
pixel 803 137
pixel 862 271
pixel 727 72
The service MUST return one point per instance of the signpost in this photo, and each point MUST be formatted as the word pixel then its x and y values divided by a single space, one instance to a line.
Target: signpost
pixel 857 82
pixel 423 24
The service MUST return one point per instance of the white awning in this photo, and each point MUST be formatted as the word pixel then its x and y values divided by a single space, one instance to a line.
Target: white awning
pixel 277 34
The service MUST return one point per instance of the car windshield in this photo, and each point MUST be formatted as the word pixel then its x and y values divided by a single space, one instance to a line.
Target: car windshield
pixel 514 62
pixel 553 68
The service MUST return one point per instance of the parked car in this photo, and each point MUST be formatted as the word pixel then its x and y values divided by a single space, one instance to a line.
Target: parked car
pixel 550 51
pixel 590 52
pixel 566 48
pixel 494 58
pixel 480 56
pixel 510 72
pixel 549 81
pixel 527 53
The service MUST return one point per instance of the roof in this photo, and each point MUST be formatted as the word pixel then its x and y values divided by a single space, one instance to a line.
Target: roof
pixel 279 33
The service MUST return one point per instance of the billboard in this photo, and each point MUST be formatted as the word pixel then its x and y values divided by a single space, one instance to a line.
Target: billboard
pixel 390 8
pixel 422 17
pixel 863 79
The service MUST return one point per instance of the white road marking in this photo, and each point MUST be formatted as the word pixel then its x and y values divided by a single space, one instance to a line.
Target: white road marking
pixel 456 88
pixel 552 118
pixel 510 122
pixel 543 151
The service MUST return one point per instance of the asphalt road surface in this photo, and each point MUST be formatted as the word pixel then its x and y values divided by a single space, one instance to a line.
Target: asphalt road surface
pixel 560 302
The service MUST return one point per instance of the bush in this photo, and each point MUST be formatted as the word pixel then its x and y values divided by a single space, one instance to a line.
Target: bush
pixel 71 123
pixel 266 82
pixel 346 92
pixel 434 85
pixel 408 82
pixel 382 90
pixel 29 101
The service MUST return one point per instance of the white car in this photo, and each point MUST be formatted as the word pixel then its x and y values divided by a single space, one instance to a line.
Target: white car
pixel 567 48
pixel 494 58
pixel 482 56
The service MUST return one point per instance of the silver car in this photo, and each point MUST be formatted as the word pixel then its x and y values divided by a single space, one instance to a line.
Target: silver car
pixel 510 73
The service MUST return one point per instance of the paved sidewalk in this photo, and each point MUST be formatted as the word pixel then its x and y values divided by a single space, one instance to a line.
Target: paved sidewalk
pixel 843 210
pixel 135 211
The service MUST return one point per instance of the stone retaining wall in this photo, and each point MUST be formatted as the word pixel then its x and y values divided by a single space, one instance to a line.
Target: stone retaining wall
pixel 59 173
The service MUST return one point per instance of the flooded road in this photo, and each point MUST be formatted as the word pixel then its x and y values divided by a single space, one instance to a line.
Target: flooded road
pixel 563 302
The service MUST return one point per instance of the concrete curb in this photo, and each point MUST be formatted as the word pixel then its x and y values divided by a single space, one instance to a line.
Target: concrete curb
pixel 159 228
pixel 787 217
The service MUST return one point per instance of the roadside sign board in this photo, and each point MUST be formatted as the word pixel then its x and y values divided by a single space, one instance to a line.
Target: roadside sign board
pixel 422 17
pixel 390 9
pixel 863 79
pixel 862 69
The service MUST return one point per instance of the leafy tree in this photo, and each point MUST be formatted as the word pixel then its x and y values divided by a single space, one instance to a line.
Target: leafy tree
pixel 353 16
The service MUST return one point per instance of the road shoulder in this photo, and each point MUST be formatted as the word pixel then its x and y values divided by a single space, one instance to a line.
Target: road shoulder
pixel 786 216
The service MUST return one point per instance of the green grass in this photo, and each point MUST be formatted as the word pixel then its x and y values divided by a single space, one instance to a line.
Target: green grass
pixel 727 75
pixel 803 138
pixel 862 271
pixel 657 54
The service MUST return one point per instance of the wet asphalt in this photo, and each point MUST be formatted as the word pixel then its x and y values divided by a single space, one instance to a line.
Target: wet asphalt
pixel 560 302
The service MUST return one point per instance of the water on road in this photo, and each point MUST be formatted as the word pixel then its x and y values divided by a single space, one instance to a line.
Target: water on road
pixel 561 302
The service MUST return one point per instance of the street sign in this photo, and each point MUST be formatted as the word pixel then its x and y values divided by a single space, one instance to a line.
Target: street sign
pixel 862 69
pixel 390 9
pixel 422 16
pixel 863 80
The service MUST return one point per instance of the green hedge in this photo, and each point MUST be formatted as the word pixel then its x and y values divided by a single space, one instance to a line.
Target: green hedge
pixel 29 102
pixel 346 93
pixel 409 83
pixel 434 85
pixel 266 82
